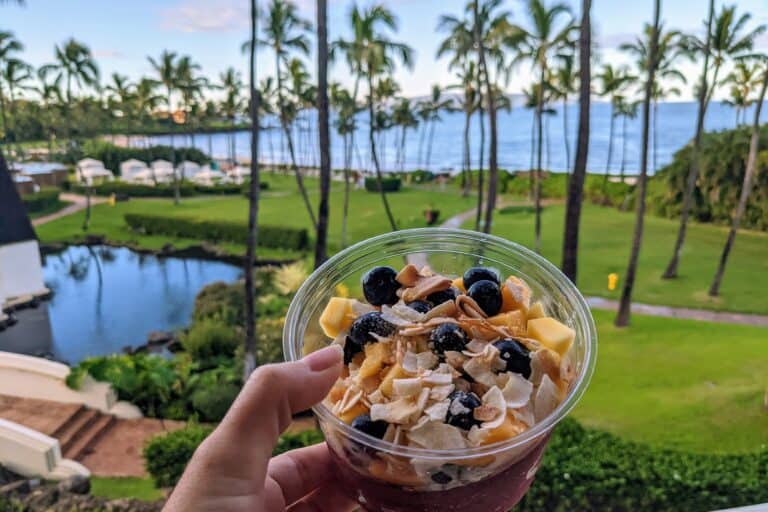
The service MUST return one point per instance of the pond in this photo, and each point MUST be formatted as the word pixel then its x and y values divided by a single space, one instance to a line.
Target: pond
pixel 106 298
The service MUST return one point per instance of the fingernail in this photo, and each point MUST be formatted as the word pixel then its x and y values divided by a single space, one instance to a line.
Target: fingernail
pixel 323 358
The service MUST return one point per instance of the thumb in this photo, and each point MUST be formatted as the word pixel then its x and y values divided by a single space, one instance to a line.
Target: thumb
pixel 274 393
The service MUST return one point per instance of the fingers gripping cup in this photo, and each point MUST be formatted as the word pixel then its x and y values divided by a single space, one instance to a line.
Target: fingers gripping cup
pixel 462 352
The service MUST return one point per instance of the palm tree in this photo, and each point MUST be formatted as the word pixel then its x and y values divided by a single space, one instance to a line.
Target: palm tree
pixel 9 46
pixel 146 98
pixel 250 362
pixel 576 183
pixel 566 85
pixel 385 91
pixel 345 124
pixel 15 76
pixel 231 83
pixel 743 79
pixel 120 98
pixel 551 30
pixel 191 87
pixel 324 135
pixel 167 69
pixel 285 31
pixel 51 98
pixel 74 62
pixel 626 110
pixel 612 82
pixel 436 106
pixel 728 40
pixel 403 115
pixel 370 53
pixel 746 186
pixel 625 305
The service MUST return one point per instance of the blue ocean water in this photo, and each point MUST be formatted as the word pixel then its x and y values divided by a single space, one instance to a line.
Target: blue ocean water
pixel 675 127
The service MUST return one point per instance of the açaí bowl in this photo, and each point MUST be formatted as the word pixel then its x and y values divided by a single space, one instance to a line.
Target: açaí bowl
pixel 488 478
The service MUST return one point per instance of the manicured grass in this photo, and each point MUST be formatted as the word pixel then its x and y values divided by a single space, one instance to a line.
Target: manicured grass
pixel 280 206
pixel 53 208
pixel 680 384
pixel 127 487
pixel 606 236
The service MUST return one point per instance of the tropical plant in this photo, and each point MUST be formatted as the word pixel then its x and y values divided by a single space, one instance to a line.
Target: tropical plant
pixel 625 109
pixel 9 46
pixel 436 105
pixel 371 54
pixel 15 76
pixel 403 116
pixel 345 124
pixel 550 32
pixel 51 98
pixel 611 83
pixel 324 136
pixel 191 87
pixel 166 67
pixel 565 85
pixel 746 186
pixel 231 83
pixel 625 304
pixel 744 79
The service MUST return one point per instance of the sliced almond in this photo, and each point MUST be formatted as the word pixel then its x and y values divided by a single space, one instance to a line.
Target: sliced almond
pixel 408 276
pixel 467 306
pixel 423 287
pixel 447 308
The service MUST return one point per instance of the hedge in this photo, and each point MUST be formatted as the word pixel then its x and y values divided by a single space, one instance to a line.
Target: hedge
pixel 389 184
pixel 218 230
pixel 113 156
pixel 186 189
pixel 41 201
pixel 166 456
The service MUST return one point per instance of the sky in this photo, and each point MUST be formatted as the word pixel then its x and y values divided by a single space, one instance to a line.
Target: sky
pixel 122 34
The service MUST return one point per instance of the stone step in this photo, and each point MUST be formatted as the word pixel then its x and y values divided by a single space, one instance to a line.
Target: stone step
pixel 60 423
pixel 85 439
pixel 79 423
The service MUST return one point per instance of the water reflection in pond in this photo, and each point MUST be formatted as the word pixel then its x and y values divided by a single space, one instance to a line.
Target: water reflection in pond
pixel 108 298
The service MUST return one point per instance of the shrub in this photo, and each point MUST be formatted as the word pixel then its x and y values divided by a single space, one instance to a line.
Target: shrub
pixel 41 201
pixel 113 156
pixel 186 189
pixel 220 301
pixel 209 339
pixel 291 441
pixel 214 402
pixel 166 456
pixel 218 230
pixel 389 184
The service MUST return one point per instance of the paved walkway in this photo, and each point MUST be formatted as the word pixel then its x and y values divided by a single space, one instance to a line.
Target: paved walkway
pixel 456 221
pixel 78 203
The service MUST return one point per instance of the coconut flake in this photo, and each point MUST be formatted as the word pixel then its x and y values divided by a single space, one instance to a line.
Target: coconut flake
pixel 495 399
pixel 407 387
pixel 408 276
pixel 361 308
pixel 547 398
pixel 436 435
pixel 438 410
pixel 474 348
pixel 437 379
pixel 544 362
pixel 426 360
pixel 477 435
pixel 410 362
pixel 401 411
pixel 481 367
pixel 376 397
pixel 524 415
pixel 517 390
pixel 441 392
pixel 446 309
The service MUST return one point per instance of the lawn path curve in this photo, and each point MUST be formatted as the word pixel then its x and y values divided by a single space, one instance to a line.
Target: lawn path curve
pixel 78 203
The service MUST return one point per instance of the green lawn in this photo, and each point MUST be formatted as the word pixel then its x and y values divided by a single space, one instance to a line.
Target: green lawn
pixel 681 384
pixel 281 205
pixel 605 240
pixel 126 487
pixel 52 208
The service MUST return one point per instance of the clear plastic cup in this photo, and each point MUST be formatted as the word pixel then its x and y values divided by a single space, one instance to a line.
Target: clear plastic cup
pixel 488 478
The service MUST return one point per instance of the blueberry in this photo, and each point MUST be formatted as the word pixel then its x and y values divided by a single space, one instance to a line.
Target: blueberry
pixel 475 274
pixel 448 337
pixel 487 295
pixel 421 306
pixel 365 424
pixel 363 326
pixel 438 298
pixel 515 355
pixel 380 287
pixel 441 478
pixel 351 349
pixel 460 412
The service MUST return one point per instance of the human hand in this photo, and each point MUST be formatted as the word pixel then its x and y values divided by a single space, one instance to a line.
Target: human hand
pixel 232 470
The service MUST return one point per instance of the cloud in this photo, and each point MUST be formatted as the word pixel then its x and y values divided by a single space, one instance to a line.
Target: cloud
pixel 615 40
pixel 106 53
pixel 206 16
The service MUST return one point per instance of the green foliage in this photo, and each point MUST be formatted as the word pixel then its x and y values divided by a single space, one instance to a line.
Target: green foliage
pixel 586 469
pixel 186 189
pixel 224 302
pixel 209 339
pixel 290 441
pixel 217 230
pixel 45 199
pixel 389 184
pixel 212 392
pixel 113 156
pixel 617 195
pixel 166 456
pixel 721 173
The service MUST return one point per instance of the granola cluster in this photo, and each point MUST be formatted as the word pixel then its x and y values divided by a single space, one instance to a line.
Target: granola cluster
pixel 440 363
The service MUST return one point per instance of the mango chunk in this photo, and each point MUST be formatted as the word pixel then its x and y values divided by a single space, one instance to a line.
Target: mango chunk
pixel 509 429
pixel 515 294
pixel 537 310
pixel 459 283
pixel 375 355
pixel 514 320
pixel 356 410
pixel 551 333
pixel 396 372
pixel 337 316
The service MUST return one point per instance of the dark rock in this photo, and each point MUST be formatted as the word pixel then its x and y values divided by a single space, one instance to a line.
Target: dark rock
pixel 94 239
pixel 8 476
pixel 159 337
pixel 77 484
pixel 15 488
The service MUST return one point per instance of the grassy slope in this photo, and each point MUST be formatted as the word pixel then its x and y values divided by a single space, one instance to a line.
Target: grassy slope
pixel 115 488
pixel 606 236
pixel 681 384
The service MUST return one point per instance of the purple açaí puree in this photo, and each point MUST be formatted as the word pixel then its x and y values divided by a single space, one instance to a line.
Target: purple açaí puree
pixel 498 493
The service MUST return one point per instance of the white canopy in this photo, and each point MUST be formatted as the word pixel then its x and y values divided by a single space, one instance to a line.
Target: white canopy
pixel 163 171
pixel 90 162
pixel 130 169
pixel 90 170
pixel 210 177
pixel 189 169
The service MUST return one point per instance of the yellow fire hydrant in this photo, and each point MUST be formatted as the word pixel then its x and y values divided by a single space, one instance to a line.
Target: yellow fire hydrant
pixel 613 280
pixel 112 200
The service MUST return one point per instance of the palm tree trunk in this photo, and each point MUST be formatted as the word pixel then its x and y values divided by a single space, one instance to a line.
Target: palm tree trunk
pixel 567 144
pixel 625 305
pixel 623 146
pixel 430 141
pixel 321 243
pixel 493 174
pixel 712 87
pixel 345 209
pixel 576 184
pixel 374 157
pixel 422 136
pixel 480 173
pixel 610 154
pixel 693 172
pixel 655 134
pixel 250 360
pixel 533 156
pixel 234 143
pixel 746 188
pixel 466 182
pixel 402 150
pixel 289 142
pixel 539 150
pixel 176 191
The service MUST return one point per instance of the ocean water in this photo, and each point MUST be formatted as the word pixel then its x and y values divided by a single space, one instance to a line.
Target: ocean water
pixel 675 125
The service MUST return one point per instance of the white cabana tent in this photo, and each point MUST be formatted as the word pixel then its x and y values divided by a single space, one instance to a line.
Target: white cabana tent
pixel 163 171
pixel 188 169
pixel 238 174
pixel 92 171
pixel 134 171
pixel 209 177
